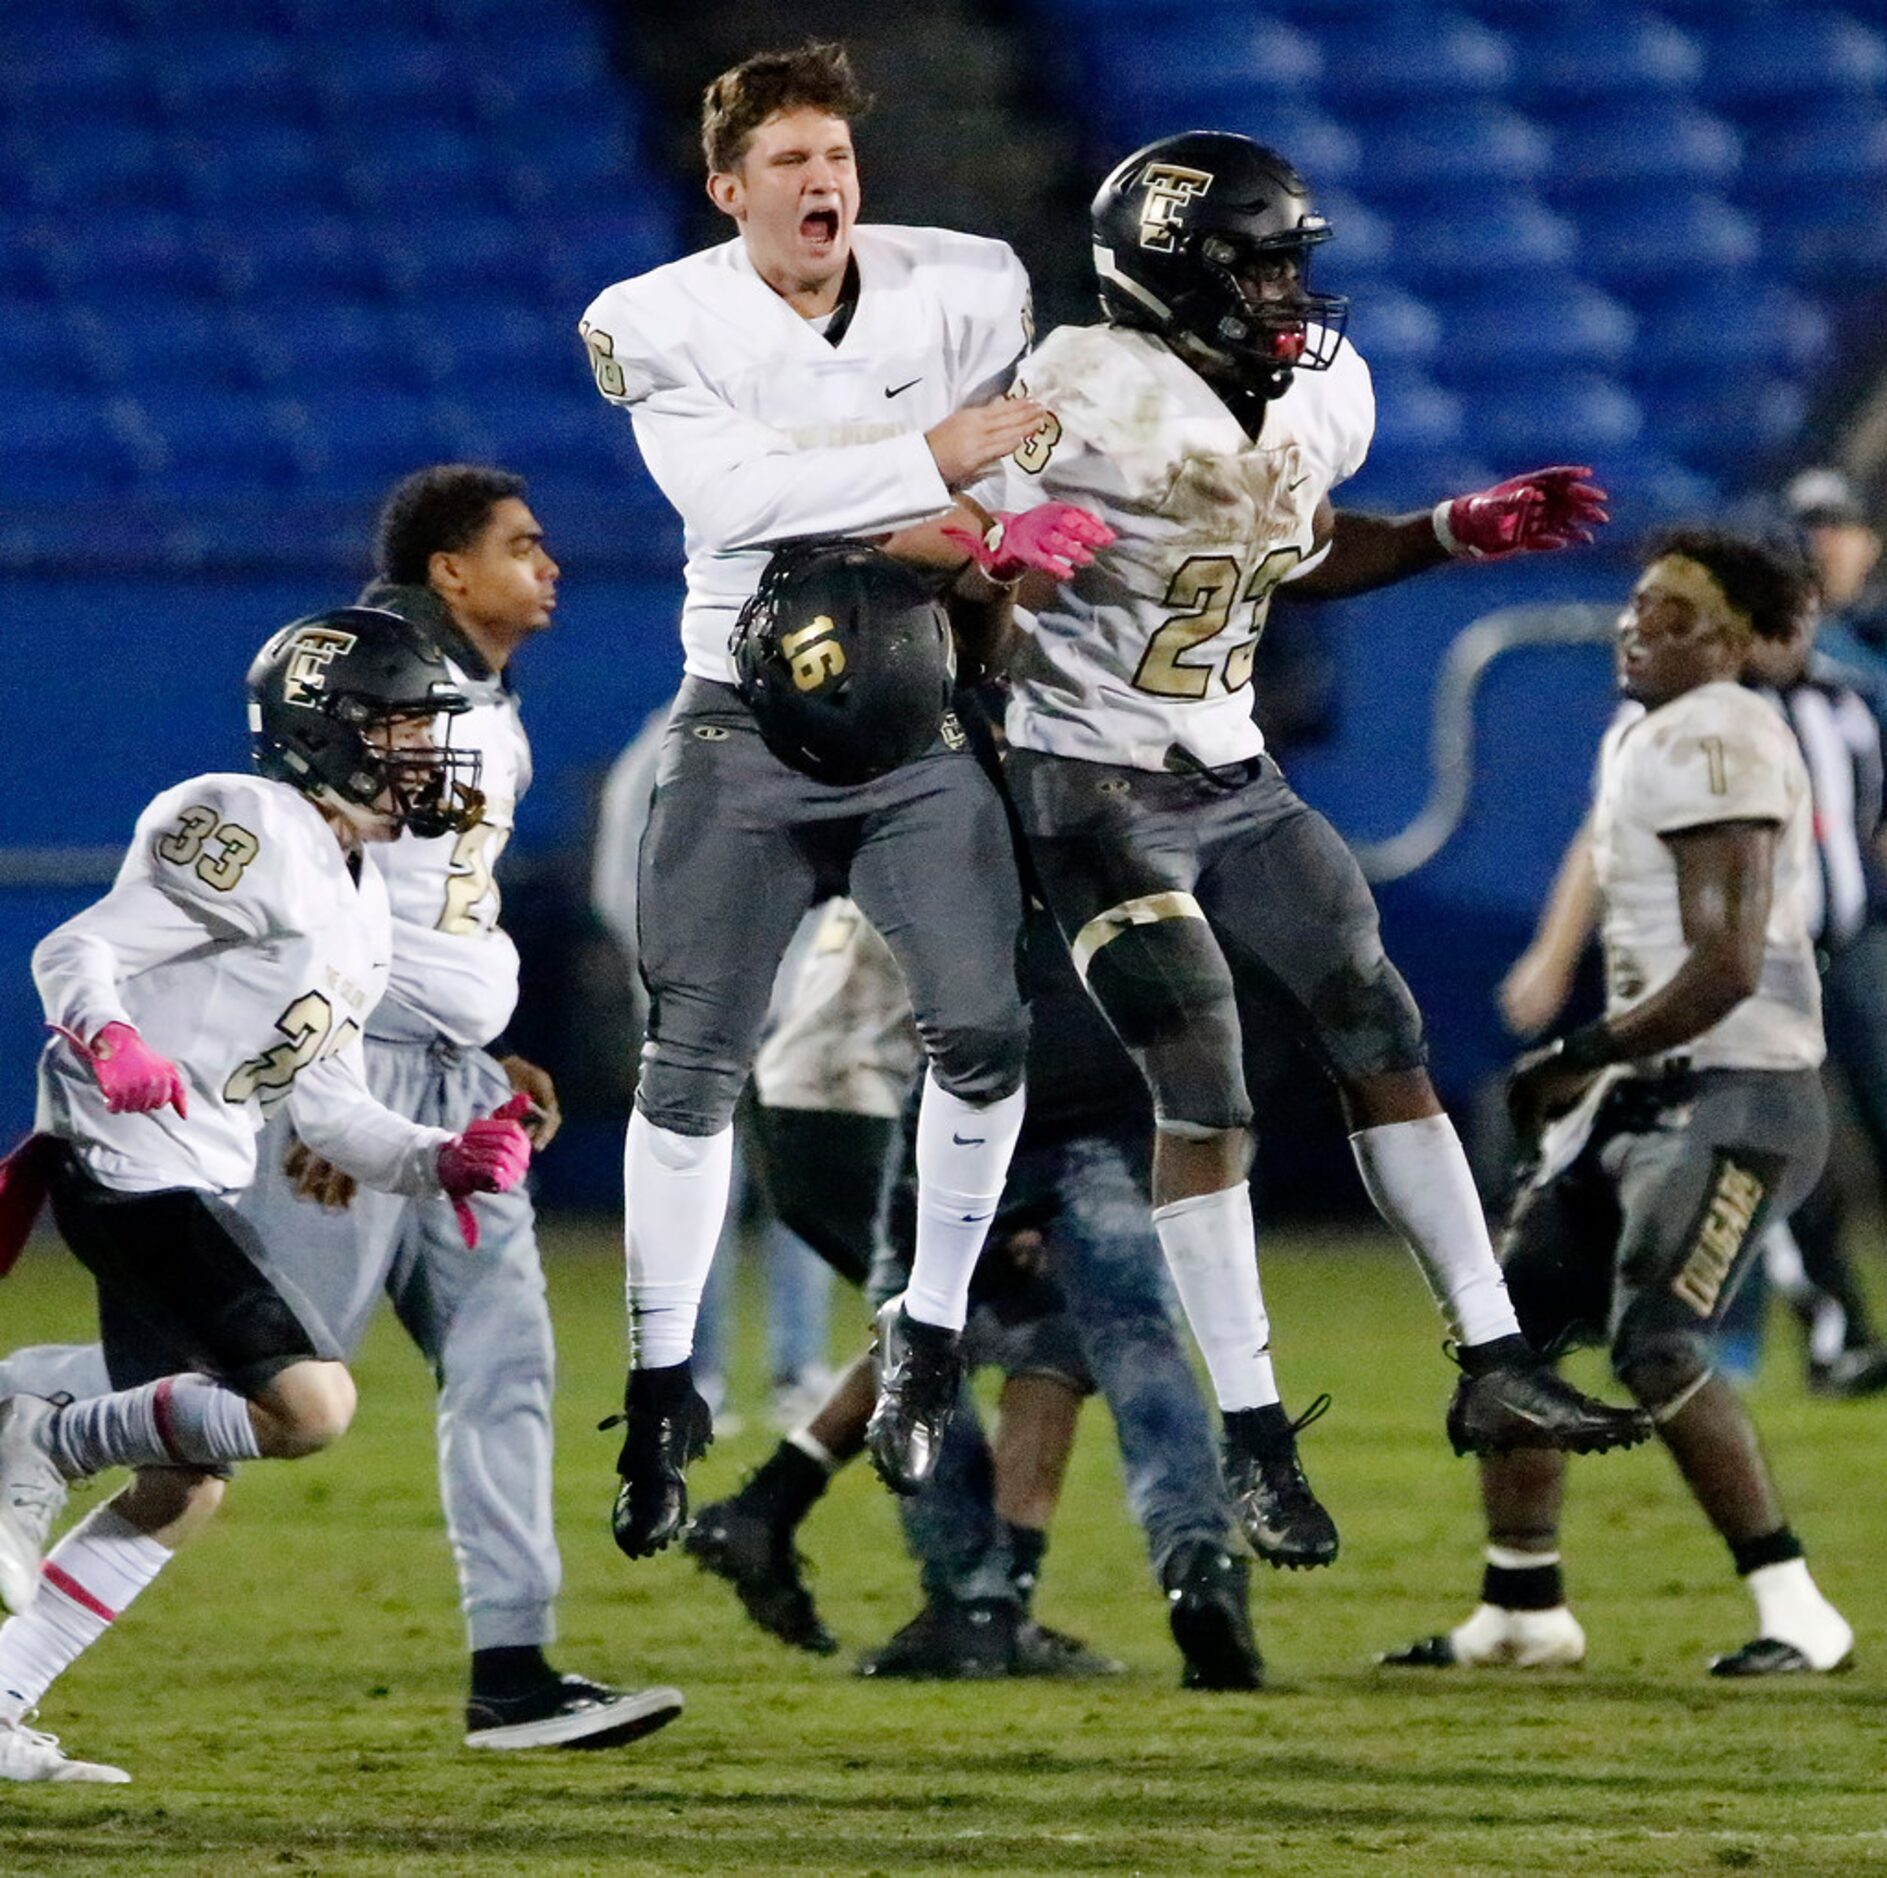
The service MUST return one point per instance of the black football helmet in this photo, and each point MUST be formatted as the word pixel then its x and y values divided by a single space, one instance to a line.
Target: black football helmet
pixel 320 689
pixel 1184 232
pixel 845 658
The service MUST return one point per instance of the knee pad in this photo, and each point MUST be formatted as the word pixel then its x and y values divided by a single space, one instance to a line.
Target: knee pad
pixel 1366 1021
pixel 981 1064
pixel 1158 974
pixel 1661 1363
pixel 688 1098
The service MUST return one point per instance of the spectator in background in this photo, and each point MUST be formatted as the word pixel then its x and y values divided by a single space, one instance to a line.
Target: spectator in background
pixel 1844 547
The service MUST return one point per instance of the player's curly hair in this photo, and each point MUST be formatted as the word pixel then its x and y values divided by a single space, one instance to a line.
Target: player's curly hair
pixel 1767 583
pixel 439 510
pixel 817 76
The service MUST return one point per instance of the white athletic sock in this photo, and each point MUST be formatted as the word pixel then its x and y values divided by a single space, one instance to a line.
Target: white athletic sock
pixel 1211 1249
pixel 674 1200
pixel 89 1577
pixel 962 1158
pixel 1418 1180
pixel 1791 1608
pixel 178 1418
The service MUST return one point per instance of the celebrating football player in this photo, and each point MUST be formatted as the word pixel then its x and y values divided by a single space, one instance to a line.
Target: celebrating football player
pixel 1686 1117
pixel 1206 421
pixel 229 972
pixel 808 377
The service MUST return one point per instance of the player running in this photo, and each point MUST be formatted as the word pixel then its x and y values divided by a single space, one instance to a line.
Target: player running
pixel 1687 1117
pixel 809 377
pixel 1206 421
pixel 228 972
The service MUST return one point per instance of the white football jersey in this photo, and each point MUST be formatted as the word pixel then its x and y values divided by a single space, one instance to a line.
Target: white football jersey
pixel 1719 753
pixel 1152 645
pixel 241 946
pixel 455 969
pixel 760 431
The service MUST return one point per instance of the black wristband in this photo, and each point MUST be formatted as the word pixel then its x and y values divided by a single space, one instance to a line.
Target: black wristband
pixel 1591 1046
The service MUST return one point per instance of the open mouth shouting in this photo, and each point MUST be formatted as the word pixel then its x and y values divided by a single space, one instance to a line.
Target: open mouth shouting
pixel 819 229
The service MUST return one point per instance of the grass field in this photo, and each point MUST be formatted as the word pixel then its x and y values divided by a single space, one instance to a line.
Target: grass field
pixel 287 1696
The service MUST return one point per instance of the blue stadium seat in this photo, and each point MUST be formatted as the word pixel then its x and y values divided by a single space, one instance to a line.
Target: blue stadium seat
pixel 1195 63
pixel 217 442
pixel 436 256
pixel 425 163
pixel 259 170
pixel 72 445
pixel 576 435
pixel 1733 427
pixel 1829 238
pixel 173 343
pixel 1729 323
pixel 50 347
pixel 471 348
pixel 98 76
pixel 113 167
pixel 1453 147
pixel 1395 481
pixel 318 348
pixel 130 254
pixel 357 445
pixel 1795 53
pixel 1836 144
pixel 1681 147
pixel 1392 328
pixel 1511 327
pixel 1509 232
pixel 1554 417
pixel 1642 237
pixel 1648 488
pixel 386 76
pixel 225 77
pixel 1418 56
pixel 293 257
pixel 1414 414
pixel 1362 247
pixel 1565 60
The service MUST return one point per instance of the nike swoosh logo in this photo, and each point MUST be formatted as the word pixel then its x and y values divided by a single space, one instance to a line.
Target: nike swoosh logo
pixel 1292 488
pixel 968 1141
pixel 891 391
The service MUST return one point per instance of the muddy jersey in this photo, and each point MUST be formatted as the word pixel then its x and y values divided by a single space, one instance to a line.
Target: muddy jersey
pixel 1152 645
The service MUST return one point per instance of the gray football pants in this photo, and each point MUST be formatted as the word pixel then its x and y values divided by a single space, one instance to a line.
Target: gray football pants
pixel 480 1318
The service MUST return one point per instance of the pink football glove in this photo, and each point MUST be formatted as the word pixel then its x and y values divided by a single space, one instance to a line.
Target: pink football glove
pixel 491 1156
pixel 1055 538
pixel 134 1078
pixel 1531 514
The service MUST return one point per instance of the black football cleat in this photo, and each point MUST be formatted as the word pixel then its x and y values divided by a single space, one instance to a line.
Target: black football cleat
pixel 950 1641
pixel 569 1712
pixel 1208 1607
pixel 1278 1512
pixel 1510 1398
pixel 1770 1656
pixel 667 1426
pixel 920 1372
pixel 757 1558
pixel 1851 1375
pixel 1437 1652
pixel 1041 1651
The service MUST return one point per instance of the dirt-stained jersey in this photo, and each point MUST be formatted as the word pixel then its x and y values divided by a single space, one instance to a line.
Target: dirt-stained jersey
pixel 1153 644
pixel 1719 753
pixel 239 943
pixel 759 430
pixel 455 969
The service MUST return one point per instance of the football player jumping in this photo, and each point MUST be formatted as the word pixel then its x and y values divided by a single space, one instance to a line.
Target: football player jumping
pixel 1206 421
pixel 1687 1117
pixel 809 377
pixel 228 972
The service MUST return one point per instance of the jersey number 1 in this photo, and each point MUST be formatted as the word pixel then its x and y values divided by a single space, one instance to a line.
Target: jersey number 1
pixel 1208 585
